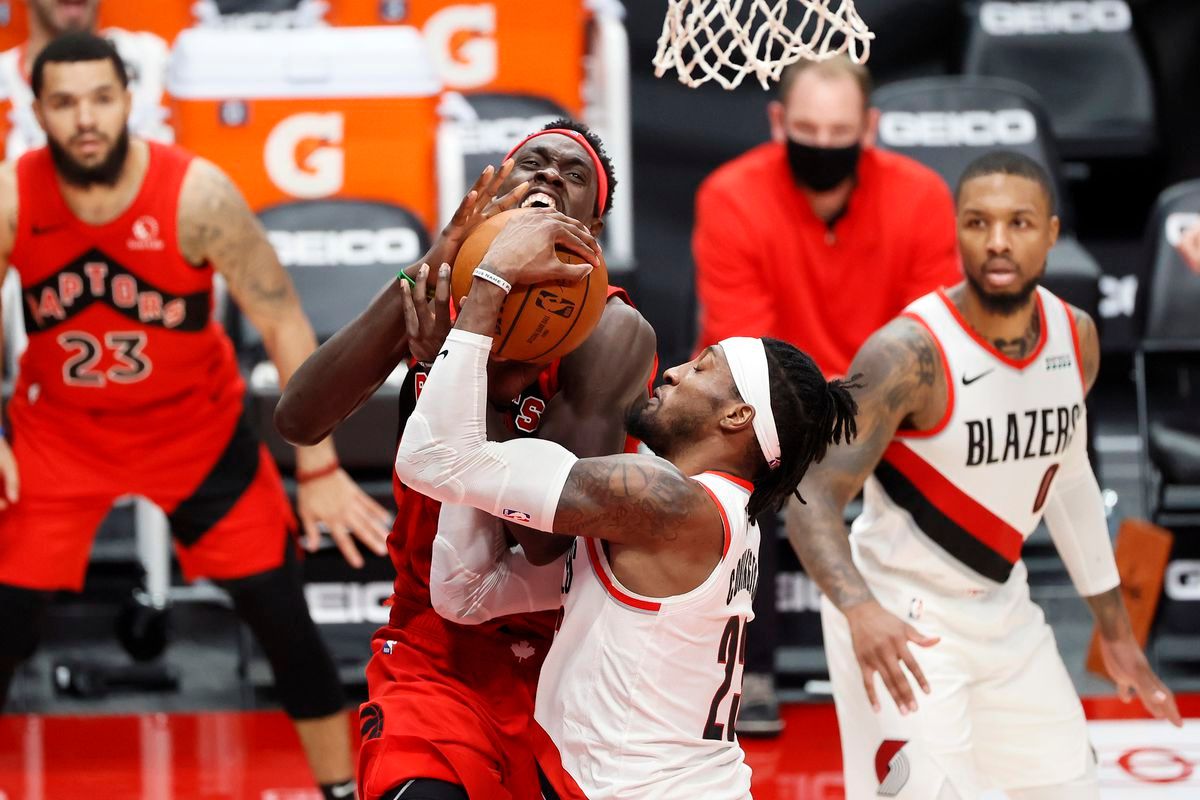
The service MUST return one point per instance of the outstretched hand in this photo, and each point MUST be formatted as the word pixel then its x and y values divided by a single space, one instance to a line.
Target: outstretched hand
pixel 427 322
pixel 481 203
pixel 1127 666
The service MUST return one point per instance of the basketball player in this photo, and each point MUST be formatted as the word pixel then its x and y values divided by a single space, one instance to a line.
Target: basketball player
pixel 145 55
pixel 128 385
pixel 973 430
pixel 451 706
pixel 639 693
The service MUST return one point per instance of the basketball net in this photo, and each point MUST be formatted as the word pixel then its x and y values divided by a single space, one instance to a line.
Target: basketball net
pixel 726 40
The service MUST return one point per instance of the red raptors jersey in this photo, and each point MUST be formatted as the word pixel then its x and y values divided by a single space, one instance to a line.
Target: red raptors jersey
pixel 411 540
pixel 116 318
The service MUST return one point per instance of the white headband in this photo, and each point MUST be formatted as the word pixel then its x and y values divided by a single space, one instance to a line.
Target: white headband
pixel 748 362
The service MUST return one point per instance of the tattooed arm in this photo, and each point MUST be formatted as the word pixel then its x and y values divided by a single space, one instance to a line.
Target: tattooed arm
pixel 8 235
pixel 904 388
pixel 217 227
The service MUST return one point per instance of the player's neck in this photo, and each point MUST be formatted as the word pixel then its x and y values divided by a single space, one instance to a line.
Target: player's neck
pixel 710 456
pixel 1016 334
pixel 99 204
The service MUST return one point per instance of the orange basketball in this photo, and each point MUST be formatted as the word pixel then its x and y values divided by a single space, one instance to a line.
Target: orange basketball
pixel 541 322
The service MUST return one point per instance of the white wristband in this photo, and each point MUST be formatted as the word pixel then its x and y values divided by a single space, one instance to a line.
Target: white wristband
pixel 493 278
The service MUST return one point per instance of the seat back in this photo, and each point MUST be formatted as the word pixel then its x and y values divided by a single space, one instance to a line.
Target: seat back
pixel 1082 58
pixel 1171 291
pixel 948 122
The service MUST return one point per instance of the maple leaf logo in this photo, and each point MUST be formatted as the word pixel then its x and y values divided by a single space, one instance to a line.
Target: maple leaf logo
pixel 523 650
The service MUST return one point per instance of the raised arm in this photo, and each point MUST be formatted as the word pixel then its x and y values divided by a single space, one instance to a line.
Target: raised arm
pixel 1075 518
pixel 600 380
pixel 904 388
pixel 217 227
pixel 444 453
pixel 347 369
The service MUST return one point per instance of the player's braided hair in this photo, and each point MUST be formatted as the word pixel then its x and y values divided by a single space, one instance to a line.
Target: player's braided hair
pixel 597 144
pixel 810 414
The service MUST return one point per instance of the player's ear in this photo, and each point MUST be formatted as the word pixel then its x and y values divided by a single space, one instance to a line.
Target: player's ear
pixel 597 226
pixel 1055 227
pixel 738 417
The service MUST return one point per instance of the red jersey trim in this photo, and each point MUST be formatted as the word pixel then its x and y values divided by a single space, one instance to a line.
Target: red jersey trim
pixel 724 519
pixel 618 594
pixel 1075 342
pixel 956 504
pixel 741 483
pixel 945 420
pixel 1043 336
pixel 550 767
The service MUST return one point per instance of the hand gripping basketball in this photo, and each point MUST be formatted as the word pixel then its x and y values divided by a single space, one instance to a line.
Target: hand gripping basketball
pixel 524 251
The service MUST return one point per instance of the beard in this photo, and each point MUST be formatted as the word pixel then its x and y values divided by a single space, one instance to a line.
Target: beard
pixel 105 173
pixel 661 433
pixel 1005 304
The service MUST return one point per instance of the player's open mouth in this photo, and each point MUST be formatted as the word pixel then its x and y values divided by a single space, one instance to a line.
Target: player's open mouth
pixel 539 200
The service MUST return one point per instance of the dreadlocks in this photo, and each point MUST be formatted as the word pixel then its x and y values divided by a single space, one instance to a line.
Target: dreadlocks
pixel 810 414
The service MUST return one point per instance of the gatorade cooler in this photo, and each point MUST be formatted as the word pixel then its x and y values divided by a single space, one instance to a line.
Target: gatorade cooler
pixel 501 47
pixel 301 115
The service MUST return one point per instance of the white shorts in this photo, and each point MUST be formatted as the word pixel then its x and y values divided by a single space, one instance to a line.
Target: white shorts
pixel 1003 713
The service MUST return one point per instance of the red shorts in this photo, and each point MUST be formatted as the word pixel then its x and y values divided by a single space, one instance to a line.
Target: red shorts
pixel 450 704
pixel 197 459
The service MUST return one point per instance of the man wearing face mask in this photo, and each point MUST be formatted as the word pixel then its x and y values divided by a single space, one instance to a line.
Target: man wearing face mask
pixel 816 238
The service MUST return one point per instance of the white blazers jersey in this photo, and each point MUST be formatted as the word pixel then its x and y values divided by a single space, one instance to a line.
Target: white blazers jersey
pixel 953 506
pixel 639 695
pixel 145 56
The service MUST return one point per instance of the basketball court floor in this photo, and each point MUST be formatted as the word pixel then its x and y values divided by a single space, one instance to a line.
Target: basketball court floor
pixel 254 755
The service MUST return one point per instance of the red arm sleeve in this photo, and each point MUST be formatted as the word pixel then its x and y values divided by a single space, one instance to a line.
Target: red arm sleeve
pixel 734 298
pixel 935 260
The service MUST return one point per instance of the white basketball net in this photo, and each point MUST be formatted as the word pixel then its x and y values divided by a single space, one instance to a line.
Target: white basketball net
pixel 726 40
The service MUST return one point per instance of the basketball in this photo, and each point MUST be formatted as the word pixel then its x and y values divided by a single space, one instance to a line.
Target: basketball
pixel 540 322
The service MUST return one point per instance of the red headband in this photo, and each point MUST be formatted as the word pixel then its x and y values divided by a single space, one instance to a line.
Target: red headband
pixel 601 175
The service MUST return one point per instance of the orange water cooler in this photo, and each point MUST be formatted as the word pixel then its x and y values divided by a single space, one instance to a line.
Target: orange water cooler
pixel 310 114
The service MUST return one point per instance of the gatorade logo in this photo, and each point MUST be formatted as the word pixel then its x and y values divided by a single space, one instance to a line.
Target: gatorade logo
pixel 1072 17
pixel 1006 127
pixel 304 157
pixel 1178 224
pixel 346 248
pixel 462 40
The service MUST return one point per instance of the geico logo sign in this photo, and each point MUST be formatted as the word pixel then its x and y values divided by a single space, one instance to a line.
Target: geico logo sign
pixel 349 248
pixel 303 154
pixel 344 603
pixel 498 135
pixel 1076 16
pixel 1012 126
pixel 1182 581
pixel 1178 224
pixel 795 592
pixel 462 40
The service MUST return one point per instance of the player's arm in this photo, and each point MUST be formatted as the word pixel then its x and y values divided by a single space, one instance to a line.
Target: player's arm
pixel 600 381
pixel 903 386
pixel 8 235
pixel 1075 518
pixel 346 370
pixel 217 227
pixel 444 453
pixel 474 576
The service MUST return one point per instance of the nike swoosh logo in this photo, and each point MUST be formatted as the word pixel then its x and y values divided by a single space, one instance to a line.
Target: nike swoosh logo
pixel 439 355
pixel 345 790
pixel 968 381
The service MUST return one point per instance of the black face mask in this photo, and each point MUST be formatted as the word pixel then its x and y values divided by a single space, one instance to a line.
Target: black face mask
pixel 821 168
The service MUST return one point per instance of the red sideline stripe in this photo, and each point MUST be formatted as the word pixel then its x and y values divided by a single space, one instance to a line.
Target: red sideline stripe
pixel 956 504
pixel 724 519
pixel 618 595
